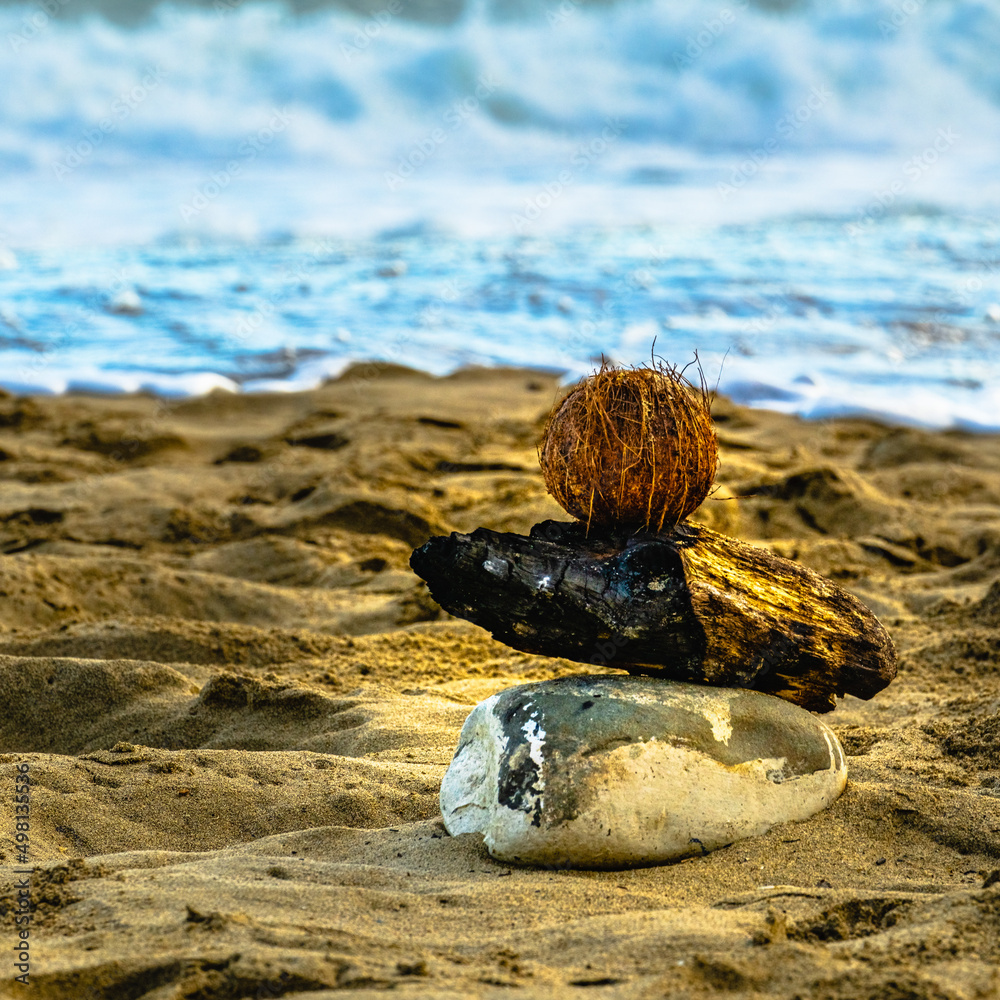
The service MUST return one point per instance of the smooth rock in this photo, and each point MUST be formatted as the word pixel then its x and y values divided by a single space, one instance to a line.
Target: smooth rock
pixel 612 771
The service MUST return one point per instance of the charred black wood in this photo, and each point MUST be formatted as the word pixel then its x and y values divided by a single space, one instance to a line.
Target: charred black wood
pixel 561 594
pixel 691 605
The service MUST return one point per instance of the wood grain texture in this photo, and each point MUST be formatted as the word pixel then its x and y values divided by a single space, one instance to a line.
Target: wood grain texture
pixel 804 638
pixel 691 605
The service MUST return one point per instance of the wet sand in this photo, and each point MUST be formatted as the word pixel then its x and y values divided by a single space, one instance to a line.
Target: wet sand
pixel 237 703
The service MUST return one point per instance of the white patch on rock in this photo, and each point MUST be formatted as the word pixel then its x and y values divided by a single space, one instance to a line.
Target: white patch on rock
pixel 719 719
pixel 536 740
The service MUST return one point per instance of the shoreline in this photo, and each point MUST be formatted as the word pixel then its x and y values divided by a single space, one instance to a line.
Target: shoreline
pixel 237 703
pixel 752 395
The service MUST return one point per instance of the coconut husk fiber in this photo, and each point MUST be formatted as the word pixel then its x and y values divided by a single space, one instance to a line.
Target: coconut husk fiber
pixel 631 447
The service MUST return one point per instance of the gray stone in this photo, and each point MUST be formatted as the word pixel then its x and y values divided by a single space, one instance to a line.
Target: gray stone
pixel 611 771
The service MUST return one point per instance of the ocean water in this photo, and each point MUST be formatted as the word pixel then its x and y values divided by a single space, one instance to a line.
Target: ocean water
pixel 251 196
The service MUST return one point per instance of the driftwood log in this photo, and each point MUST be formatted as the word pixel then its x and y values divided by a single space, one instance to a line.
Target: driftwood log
pixel 691 605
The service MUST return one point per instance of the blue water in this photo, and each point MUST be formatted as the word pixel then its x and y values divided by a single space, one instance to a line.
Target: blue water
pixel 237 196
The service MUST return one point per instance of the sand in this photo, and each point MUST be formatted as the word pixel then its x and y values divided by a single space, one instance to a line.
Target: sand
pixel 237 703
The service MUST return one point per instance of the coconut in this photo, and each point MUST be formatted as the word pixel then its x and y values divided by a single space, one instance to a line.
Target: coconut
pixel 631 448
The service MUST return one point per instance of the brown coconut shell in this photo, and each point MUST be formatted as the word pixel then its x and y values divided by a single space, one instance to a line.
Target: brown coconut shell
pixel 631 448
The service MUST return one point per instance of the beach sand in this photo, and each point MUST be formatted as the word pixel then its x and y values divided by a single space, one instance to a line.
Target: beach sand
pixel 237 703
